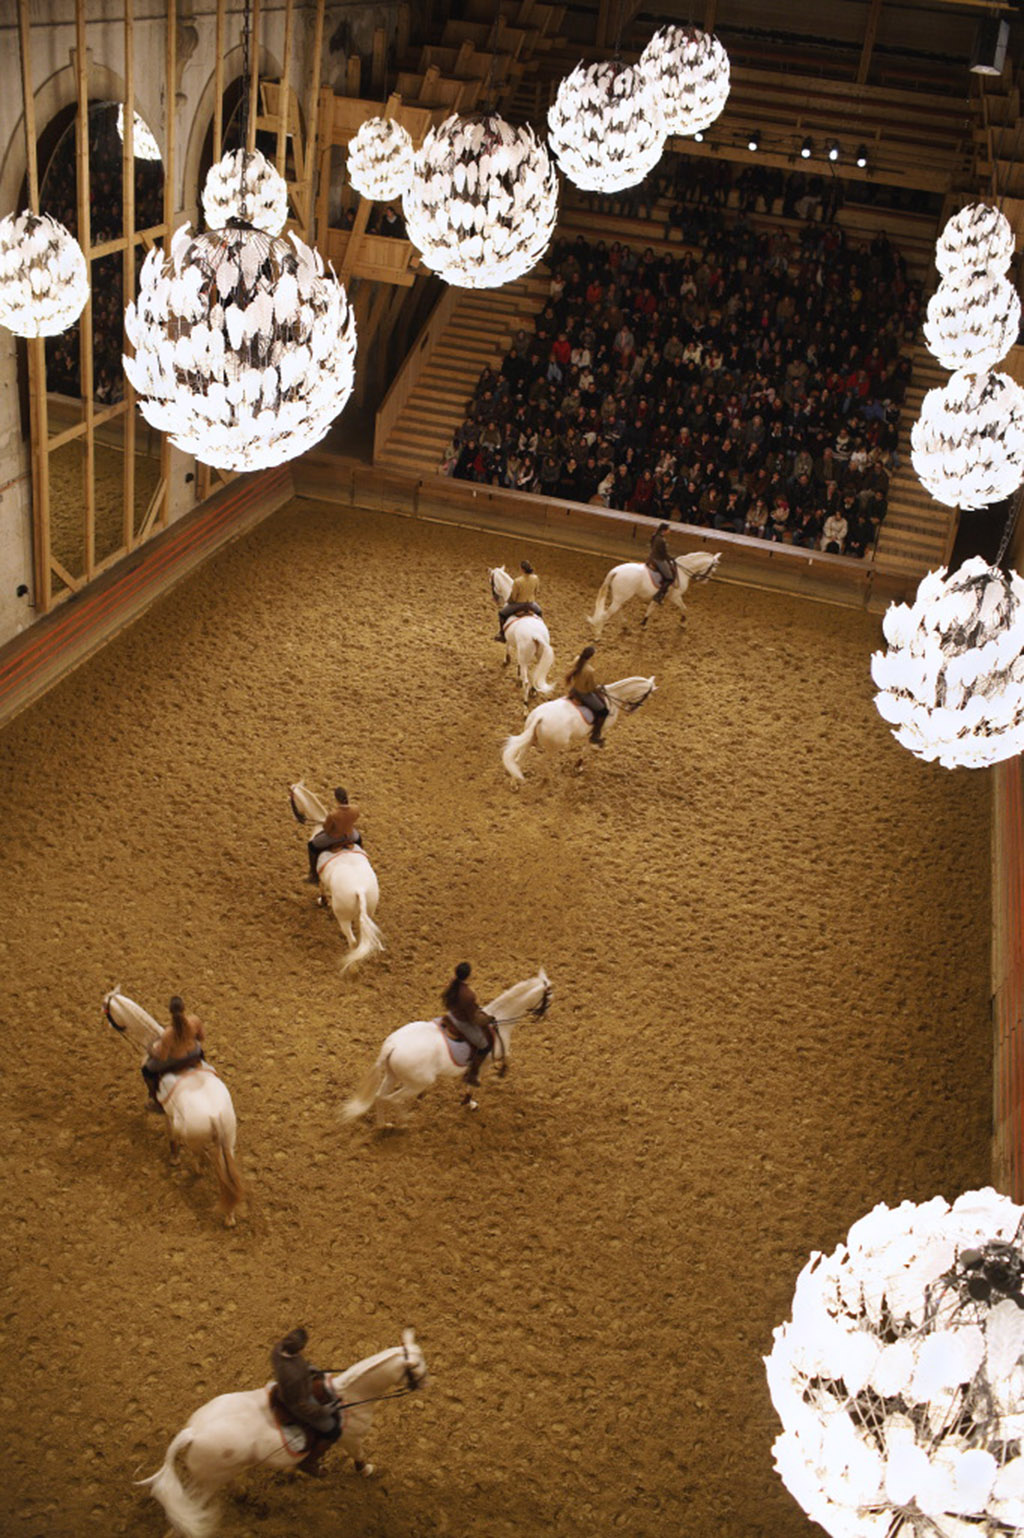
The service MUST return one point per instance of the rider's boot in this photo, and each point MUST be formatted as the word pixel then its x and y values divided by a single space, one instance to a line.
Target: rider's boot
pixel 500 636
pixel 661 594
pixel 311 1463
pixel 596 740
pixel 313 879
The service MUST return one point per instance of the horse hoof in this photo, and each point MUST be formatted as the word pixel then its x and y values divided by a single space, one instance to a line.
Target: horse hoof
pixel 471 1104
pixel 366 1469
pixel 229 1220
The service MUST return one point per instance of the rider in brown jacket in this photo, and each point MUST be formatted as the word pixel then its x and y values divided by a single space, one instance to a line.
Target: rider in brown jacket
pixel 582 685
pixel 338 832
pixel 468 1020
pixel 296 1383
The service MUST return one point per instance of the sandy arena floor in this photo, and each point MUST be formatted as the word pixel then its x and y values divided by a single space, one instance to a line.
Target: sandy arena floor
pixel 767 927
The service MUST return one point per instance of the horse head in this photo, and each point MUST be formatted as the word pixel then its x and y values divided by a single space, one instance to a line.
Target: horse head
pixel 306 807
pixel 540 1010
pixel 130 1019
pixel 628 694
pixel 415 1363
pixel 501 584
pixel 704 565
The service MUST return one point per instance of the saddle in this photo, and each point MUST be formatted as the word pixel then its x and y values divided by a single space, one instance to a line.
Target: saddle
pixel 656 576
pixel 299 1437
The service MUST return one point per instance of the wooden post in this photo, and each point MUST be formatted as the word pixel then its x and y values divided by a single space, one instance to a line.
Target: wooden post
pixel 710 15
pixel 254 78
pixel 355 238
pixel 284 92
pixel 218 85
pixel 870 33
pixel 39 426
pixel 158 515
pixel 378 66
pixel 128 268
pixel 312 122
pixel 85 359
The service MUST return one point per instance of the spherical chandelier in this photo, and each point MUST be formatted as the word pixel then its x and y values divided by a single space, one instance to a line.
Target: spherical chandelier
pixel 978 238
pixel 44 282
pixel 973 320
pixel 483 201
pixel 967 446
pixel 244 349
pixel 606 126
pixel 900 1380
pixel 244 185
pixel 952 681
pixel 144 146
pixel 380 159
pixel 690 72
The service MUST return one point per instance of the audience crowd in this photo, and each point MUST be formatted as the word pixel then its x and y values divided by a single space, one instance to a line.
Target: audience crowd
pixel 752 383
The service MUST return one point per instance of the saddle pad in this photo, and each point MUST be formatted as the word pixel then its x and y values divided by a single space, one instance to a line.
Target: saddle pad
pixel 585 711
pixel 460 1052
pixel 654 574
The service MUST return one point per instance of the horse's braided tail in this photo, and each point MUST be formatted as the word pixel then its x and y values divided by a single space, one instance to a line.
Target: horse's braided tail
pixel 515 747
pixel 542 667
pixel 370 939
pixel 597 618
pixel 190 1511
pixel 368 1090
pixel 229 1181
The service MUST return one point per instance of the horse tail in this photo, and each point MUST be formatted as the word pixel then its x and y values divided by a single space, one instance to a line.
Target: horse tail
pixel 191 1512
pixel 229 1181
pixel 515 747
pixel 596 620
pixel 368 1090
pixel 370 939
pixel 542 667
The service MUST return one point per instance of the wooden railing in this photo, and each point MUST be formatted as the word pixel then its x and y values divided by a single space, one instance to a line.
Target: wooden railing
pixel 377 257
pixel 581 526
pixel 393 404
pixel 1008 978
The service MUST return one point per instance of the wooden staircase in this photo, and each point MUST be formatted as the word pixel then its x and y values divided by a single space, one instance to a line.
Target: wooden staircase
pixel 480 332
pixel 917 534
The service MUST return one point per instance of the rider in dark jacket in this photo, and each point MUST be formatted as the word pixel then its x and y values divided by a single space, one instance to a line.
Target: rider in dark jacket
pixel 659 558
pixel 296 1382
pixel 468 1020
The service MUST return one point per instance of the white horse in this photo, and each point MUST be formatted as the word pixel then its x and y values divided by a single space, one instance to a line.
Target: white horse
pixel 416 1055
pixel 560 723
pixel 526 639
pixel 635 579
pixel 348 882
pixel 235 1432
pixel 196 1103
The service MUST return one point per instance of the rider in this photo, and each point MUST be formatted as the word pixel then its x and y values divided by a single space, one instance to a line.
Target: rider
pixel 663 564
pixel 338 832
pixel 584 688
pixel 468 1020
pixel 178 1046
pixel 522 598
pixel 296 1381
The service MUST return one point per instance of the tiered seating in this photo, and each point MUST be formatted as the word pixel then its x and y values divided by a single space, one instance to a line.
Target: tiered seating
pixel 918 532
pixel 479 332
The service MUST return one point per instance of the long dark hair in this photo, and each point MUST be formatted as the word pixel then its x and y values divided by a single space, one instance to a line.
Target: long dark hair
pixel 177 1008
pixel 451 993
pixel 584 656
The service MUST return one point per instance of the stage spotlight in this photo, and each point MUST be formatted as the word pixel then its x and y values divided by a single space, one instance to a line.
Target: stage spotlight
pixel 833 150
pixel 806 149
pixel 862 155
pixel 698 137
pixel 989 53
pixel 754 140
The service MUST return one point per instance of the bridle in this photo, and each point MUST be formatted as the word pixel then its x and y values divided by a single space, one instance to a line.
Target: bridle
pixel 412 1383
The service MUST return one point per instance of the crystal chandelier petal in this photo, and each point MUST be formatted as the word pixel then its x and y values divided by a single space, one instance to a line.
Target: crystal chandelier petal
pixel 144 146
pixel 483 201
pixel 967 446
pixel 606 126
pixel 973 320
pixel 900 1379
pixel 690 72
pixel 244 185
pixel 978 238
pixel 380 159
pixel 43 278
pixel 244 348
pixel 952 681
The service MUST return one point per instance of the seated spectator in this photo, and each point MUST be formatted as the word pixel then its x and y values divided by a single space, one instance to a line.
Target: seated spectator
pixel 834 534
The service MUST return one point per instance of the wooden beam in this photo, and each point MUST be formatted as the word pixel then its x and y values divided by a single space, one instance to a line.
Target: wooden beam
pixel 85 340
pixel 378 66
pixel 710 15
pixel 285 90
pixel 355 238
pixel 870 33
pixel 312 121
pixel 254 78
pixel 170 102
pixel 38 406
pixel 218 85
pixel 128 267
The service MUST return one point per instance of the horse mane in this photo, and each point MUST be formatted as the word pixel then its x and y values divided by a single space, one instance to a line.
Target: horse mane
pixel 510 1005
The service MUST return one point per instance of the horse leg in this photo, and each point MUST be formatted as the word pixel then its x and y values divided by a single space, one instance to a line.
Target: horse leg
pixel 366 1469
pixel 648 612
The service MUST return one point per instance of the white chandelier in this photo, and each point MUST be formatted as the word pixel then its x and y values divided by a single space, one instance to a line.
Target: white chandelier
pixel 483 201
pixel 952 682
pixel 690 72
pixel 973 320
pixel 606 126
pixel 144 146
pixel 44 282
pixel 900 1381
pixel 978 238
pixel 380 159
pixel 244 185
pixel 967 446
pixel 244 349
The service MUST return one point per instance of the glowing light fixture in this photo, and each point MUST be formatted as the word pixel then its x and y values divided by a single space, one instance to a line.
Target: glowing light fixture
pixel 606 127
pixel 978 238
pixel 862 155
pixel 973 321
pixel 244 185
pixel 967 446
pixel 900 1379
pixel 833 150
pixel 44 282
pixel 690 72
pixel 807 149
pixel 483 201
pixel 144 146
pixel 951 684
pixel 380 159
pixel 754 141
